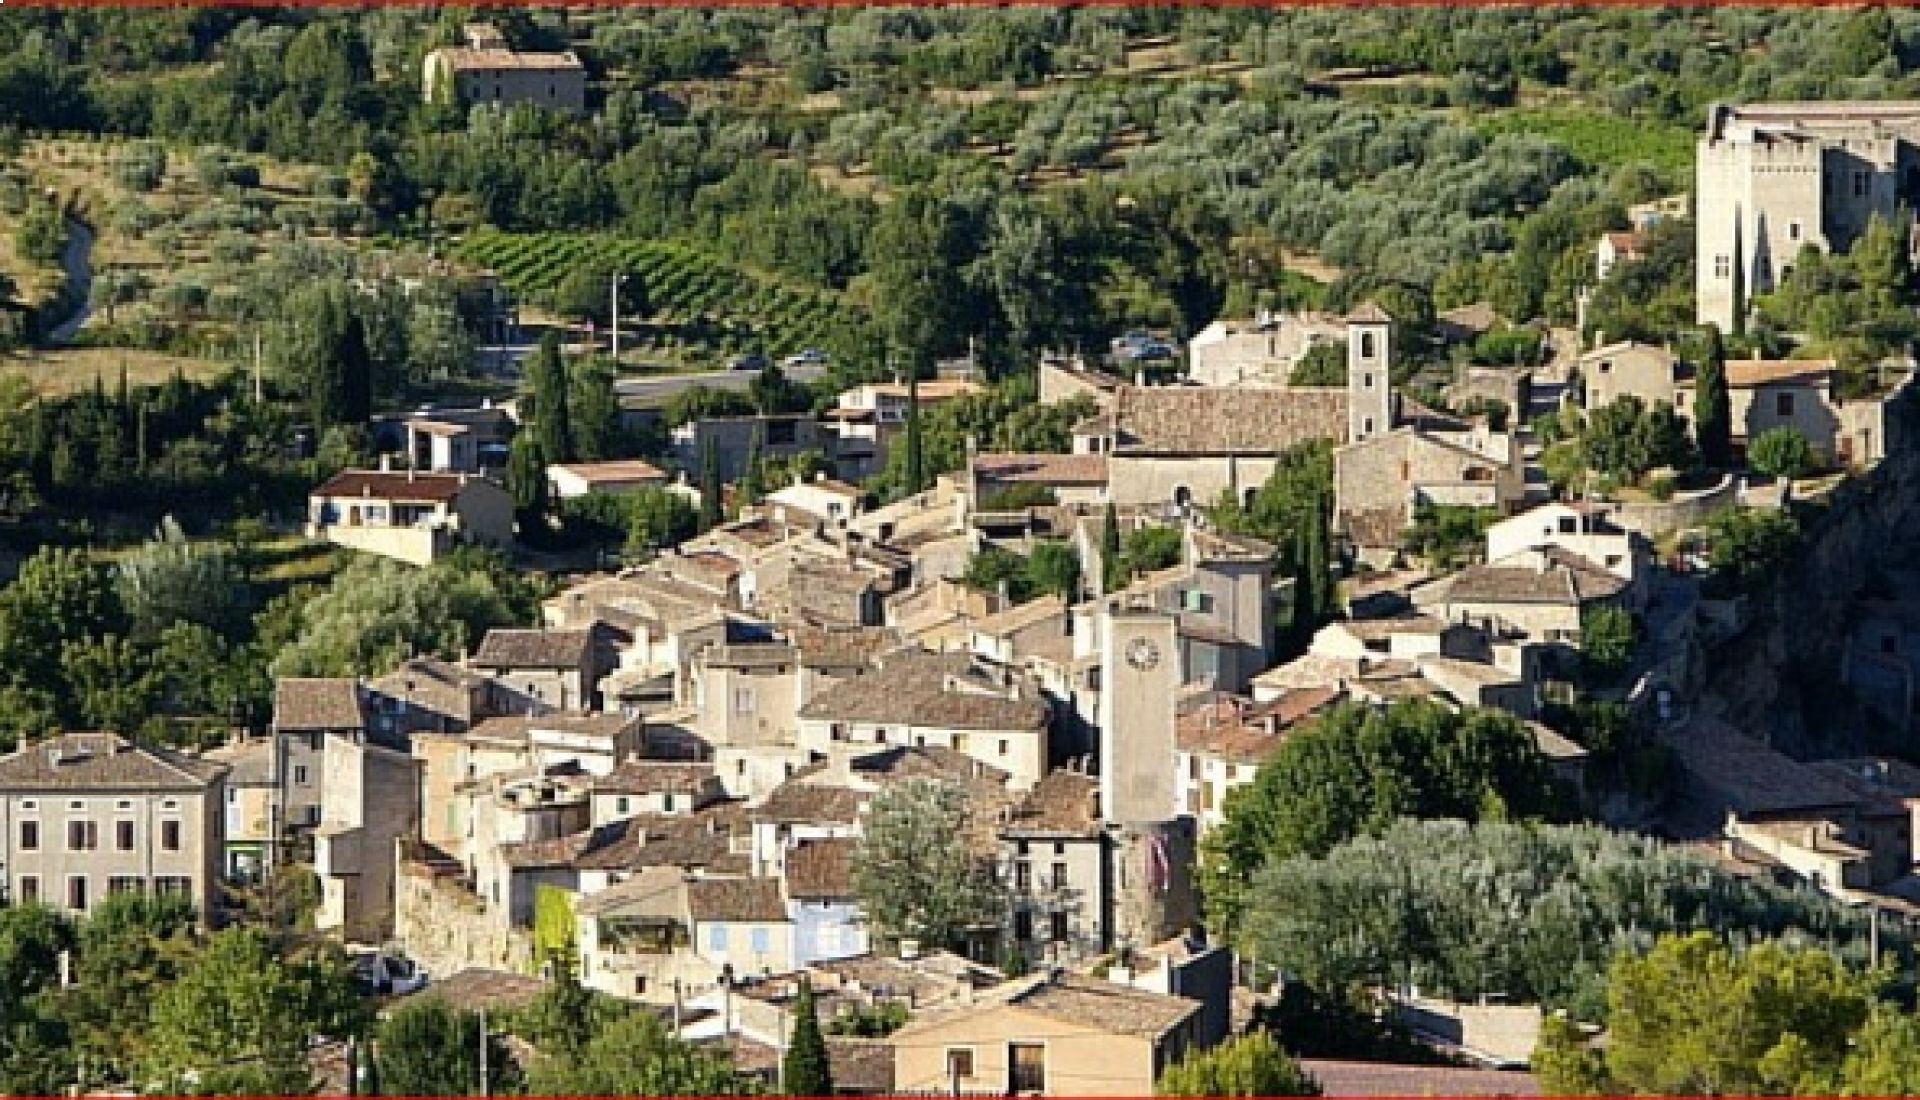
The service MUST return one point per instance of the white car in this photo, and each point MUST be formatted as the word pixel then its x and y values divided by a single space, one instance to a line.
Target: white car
pixel 390 975
pixel 806 358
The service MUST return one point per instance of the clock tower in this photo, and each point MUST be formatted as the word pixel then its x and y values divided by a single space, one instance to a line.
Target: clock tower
pixel 1140 666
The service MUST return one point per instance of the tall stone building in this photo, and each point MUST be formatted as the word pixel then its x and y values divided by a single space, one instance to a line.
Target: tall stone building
pixel 1773 178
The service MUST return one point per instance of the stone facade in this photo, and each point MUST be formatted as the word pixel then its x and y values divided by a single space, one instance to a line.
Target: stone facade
pixel 1773 178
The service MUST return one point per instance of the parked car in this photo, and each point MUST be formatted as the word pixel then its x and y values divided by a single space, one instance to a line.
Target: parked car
pixel 807 357
pixel 751 361
pixel 389 975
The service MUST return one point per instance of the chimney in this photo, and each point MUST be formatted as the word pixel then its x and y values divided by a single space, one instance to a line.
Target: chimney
pixel 386 463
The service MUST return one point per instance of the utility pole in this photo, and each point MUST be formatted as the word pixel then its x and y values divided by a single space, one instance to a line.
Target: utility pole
pixel 617 280
pixel 256 366
pixel 484 1089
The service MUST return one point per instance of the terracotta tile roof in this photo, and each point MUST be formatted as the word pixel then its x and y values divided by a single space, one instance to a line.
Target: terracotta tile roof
pixel 520 728
pixel 1093 1002
pixel 1388 1079
pixel 464 59
pixel 1551 575
pixel 1746 373
pixel 435 685
pixel 102 761
pixel 701 840
pixel 735 900
pixel 249 763
pixel 1042 469
pixel 796 802
pixel 1372 630
pixel 534 648
pixel 839 645
pixel 476 988
pixel 655 777
pixel 622 472
pixel 1212 545
pixel 410 487
pixel 1743 775
pixel 1063 803
pixel 916 688
pixel 318 704
pixel 1019 617
pixel 821 869
pixel 1297 705
pixel 1626 242
pixel 1170 420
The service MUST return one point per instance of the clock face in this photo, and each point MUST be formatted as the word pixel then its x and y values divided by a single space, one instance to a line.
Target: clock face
pixel 1142 654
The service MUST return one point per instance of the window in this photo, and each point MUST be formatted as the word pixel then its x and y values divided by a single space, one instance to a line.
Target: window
pixel 1022 925
pixel 761 941
pixel 1059 876
pixel 1058 930
pixel 838 731
pixel 29 836
pixel 1722 267
pixel 743 700
pixel 620 804
pixel 1196 600
pixel 125 884
pixel 959 1063
pixel 1023 876
pixel 316 740
pixel 29 887
pixel 82 836
pixel 76 806
pixel 666 802
pixel 1783 404
pixel 1367 351
pixel 1366 428
pixel 77 892
pixel 170 836
pixel 1026 1067
pixel 173 884
pixel 1059 847
pixel 1860 182
pixel 781 433
pixel 1793 231
pixel 300 774
pixel 123 836
pixel 717 937
pixel 1003 746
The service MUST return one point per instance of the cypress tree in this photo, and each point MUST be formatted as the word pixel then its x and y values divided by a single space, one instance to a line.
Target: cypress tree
pixel 711 508
pixel 527 480
pixel 752 487
pixel 916 456
pixel 1711 411
pixel 552 421
pixel 1112 573
pixel 805 1071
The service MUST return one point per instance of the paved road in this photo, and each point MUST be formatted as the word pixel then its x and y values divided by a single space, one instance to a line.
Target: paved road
pixel 76 261
pixel 662 386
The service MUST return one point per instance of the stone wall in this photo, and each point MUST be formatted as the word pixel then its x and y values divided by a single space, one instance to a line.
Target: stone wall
pixel 446 928
pixel 1656 518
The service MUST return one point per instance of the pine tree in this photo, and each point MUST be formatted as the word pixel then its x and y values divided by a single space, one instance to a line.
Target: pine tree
pixel 711 507
pixel 1112 572
pixel 1711 412
pixel 805 1071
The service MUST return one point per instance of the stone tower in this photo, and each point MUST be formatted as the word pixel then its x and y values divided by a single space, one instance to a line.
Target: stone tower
pixel 1369 373
pixel 1140 669
pixel 1150 848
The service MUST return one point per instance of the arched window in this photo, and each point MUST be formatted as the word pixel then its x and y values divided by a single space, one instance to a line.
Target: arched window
pixel 1182 497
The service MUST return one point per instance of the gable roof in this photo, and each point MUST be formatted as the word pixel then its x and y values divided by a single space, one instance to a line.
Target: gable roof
pixel 103 761
pixel 1748 373
pixel 1042 469
pixel 655 777
pixel 917 688
pixel 534 648
pixel 1549 575
pixel 1091 1002
pixel 1063 803
pixel 735 900
pixel 467 59
pixel 1181 420
pixel 821 869
pixel 411 486
pixel 318 703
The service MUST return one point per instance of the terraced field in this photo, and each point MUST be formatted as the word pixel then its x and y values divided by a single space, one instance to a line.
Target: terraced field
pixel 695 298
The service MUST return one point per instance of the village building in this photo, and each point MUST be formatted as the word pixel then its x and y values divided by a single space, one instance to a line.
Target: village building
pixel 411 516
pixel 84 816
pixel 1262 350
pixel 1382 482
pixel 1771 179
pixel 1100 1039
pixel 486 70
pixel 557 670
pixel 568 480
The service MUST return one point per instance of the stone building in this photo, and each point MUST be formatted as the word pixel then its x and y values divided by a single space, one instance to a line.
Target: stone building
pixel 85 815
pixel 488 70
pixel 1774 178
